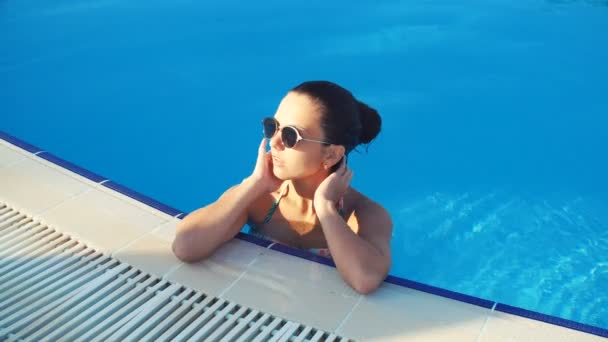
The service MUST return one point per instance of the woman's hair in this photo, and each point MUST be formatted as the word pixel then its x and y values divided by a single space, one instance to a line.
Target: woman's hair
pixel 345 120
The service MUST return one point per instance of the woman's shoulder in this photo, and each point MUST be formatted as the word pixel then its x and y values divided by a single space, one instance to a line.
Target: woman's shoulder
pixel 361 201
pixel 367 210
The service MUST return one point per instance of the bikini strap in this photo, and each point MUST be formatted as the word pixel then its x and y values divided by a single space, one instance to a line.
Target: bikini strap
pixel 275 204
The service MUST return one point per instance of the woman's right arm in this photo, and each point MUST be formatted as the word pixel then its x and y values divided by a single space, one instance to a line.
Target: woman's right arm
pixel 202 231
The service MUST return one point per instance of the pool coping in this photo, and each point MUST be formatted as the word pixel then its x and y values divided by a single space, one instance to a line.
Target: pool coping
pixel 495 306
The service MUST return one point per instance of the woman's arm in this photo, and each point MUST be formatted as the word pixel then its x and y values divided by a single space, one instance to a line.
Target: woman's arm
pixel 202 231
pixel 362 260
pixel 205 229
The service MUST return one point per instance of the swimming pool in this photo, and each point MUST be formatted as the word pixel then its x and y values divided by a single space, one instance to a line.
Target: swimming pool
pixel 494 120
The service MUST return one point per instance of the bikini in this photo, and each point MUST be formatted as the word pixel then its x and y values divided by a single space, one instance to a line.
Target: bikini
pixel 254 229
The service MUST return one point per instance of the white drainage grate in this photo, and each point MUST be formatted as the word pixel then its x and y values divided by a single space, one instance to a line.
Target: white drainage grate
pixel 54 288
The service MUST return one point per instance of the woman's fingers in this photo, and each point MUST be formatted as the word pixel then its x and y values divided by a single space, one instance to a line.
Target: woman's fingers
pixel 262 147
pixel 268 157
pixel 262 154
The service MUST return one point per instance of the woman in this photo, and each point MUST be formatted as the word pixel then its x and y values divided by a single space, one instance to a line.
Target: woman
pixel 299 193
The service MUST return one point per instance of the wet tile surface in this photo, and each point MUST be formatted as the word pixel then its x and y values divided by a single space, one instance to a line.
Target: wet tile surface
pixel 221 270
pixel 293 288
pixel 394 313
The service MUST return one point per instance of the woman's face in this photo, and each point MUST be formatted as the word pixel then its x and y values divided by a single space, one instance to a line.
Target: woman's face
pixel 305 158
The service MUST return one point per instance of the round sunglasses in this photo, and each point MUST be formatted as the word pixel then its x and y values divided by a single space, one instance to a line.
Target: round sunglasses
pixel 289 134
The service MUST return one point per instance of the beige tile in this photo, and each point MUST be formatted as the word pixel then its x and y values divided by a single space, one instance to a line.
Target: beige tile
pixel 15 148
pixel 35 187
pixel 60 169
pixel 394 313
pixel 166 231
pixel 219 271
pixel 296 289
pixel 238 252
pixel 9 156
pixel 503 327
pixel 150 254
pixel 113 206
pixel 313 274
pixel 134 202
pixel 101 220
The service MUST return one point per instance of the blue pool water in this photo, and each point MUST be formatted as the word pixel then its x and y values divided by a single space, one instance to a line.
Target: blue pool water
pixel 492 156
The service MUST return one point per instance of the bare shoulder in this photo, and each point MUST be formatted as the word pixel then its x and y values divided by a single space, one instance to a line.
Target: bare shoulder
pixel 372 218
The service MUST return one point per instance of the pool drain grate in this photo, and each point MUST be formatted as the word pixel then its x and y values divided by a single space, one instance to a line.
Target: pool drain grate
pixel 55 288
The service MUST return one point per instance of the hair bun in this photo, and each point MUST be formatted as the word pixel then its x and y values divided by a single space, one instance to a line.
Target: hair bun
pixel 370 122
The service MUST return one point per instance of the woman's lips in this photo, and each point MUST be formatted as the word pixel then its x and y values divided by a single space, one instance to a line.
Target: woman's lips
pixel 276 161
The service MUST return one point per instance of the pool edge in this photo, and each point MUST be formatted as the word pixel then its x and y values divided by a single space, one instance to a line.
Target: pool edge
pixel 521 312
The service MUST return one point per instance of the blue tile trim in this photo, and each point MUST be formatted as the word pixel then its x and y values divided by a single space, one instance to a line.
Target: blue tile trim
pixel 142 198
pixel 72 167
pixel 552 319
pixel 253 239
pixel 18 142
pixel 440 292
pixel 302 253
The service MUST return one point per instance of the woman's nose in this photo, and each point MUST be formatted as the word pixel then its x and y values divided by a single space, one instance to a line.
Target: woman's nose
pixel 275 141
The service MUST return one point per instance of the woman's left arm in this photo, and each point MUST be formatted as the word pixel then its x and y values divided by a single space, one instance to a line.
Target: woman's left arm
pixel 363 259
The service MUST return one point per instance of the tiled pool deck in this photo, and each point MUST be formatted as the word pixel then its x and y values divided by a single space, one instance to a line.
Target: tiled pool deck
pixel 252 272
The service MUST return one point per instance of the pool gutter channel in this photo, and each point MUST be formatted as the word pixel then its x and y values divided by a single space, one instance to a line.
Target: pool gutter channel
pixel 54 287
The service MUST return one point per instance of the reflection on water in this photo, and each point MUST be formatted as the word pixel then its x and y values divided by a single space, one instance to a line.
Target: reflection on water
pixel 543 253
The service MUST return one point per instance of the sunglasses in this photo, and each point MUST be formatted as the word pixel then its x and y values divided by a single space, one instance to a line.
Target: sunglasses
pixel 289 134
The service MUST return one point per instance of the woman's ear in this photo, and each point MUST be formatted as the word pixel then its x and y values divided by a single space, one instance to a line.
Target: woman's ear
pixel 334 155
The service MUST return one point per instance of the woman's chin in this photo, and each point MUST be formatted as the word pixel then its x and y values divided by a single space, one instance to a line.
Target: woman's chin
pixel 279 173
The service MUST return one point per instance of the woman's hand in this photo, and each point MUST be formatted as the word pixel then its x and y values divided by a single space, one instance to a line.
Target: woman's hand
pixel 334 186
pixel 263 174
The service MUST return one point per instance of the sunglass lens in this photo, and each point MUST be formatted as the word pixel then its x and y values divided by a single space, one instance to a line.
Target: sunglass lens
pixel 269 126
pixel 289 136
